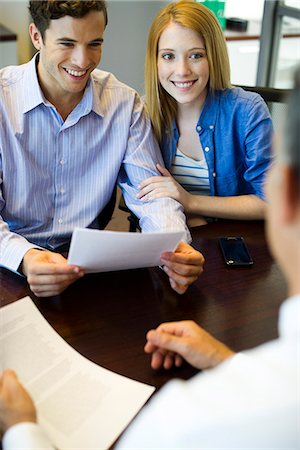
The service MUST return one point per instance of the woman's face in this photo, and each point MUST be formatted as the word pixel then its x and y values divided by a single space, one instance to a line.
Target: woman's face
pixel 182 64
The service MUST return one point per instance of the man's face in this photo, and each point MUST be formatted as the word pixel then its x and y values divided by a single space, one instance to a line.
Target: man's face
pixel 70 51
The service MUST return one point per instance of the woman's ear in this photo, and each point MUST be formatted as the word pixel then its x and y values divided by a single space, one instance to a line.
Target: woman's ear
pixel 35 36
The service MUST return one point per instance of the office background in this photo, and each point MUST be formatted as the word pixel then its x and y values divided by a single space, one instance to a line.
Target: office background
pixel 126 36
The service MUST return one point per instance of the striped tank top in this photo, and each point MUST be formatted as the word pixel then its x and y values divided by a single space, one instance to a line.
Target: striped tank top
pixel 191 174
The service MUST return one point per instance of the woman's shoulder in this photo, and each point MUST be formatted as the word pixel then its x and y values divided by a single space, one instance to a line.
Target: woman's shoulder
pixel 240 96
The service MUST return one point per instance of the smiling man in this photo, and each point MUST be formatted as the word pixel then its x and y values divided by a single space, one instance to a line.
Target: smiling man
pixel 70 132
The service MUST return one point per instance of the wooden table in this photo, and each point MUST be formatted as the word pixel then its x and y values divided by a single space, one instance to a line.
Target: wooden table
pixel 105 316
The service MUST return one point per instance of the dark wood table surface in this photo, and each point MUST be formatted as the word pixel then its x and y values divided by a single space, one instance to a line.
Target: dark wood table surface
pixel 105 316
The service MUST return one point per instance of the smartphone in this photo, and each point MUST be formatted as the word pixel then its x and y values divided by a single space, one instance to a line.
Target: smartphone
pixel 235 251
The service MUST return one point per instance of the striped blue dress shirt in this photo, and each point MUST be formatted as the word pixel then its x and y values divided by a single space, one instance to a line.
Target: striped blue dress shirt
pixel 56 175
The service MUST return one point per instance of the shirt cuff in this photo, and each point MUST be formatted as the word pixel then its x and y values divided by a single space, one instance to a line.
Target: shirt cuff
pixel 14 257
pixel 25 436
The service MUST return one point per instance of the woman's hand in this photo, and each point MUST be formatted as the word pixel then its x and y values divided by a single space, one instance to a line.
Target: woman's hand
pixel 164 186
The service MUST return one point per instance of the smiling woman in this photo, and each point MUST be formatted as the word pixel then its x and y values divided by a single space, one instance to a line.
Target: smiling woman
pixel 215 139
pixel 183 68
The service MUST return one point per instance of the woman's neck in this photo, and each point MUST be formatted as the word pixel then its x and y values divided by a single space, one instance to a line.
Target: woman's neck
pixel 190 112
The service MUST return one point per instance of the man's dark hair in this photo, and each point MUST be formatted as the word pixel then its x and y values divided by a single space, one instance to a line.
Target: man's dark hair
pixel 42 12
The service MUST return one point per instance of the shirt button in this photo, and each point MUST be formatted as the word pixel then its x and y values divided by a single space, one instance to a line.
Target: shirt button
pixel 198 128
pixel 60 220
pixel 62 191
pixel 211 127
pixel 206 149
pixel 61 162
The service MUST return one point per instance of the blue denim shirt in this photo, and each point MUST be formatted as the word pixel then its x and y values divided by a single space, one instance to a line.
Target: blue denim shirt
pixel 235 130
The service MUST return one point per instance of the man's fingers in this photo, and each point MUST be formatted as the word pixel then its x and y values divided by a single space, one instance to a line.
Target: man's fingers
pixel 6 376
pixel 183 270
pixel 51 279
pixel 186 259
pixel 180 282
pixel 178 360
pixel 156 360
pixel 52 269
pixel 165 341
pixel 169 360
pixel 179 288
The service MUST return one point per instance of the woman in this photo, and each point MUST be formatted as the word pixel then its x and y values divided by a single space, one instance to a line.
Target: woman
pixel 215 139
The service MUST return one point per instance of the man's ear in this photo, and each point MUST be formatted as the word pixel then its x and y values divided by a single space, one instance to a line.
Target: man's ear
pixel 290 194
pixel 35 36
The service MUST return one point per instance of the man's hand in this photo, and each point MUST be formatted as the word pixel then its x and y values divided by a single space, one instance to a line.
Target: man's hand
pixel 172 342
pixel 164 186
pixel 48 273
pixel 182 266
pixel 15 403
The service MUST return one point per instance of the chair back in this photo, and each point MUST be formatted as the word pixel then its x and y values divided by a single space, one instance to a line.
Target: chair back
pixel 276 100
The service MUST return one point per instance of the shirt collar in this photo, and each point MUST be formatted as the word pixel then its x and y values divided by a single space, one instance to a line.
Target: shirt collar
pixel 289 324
pixel 209 114
pixel 89 102
pixel 33 95
pixel 96 96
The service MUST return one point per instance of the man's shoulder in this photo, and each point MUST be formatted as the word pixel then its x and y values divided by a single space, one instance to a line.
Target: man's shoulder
pixel 11 75
pixel 107 81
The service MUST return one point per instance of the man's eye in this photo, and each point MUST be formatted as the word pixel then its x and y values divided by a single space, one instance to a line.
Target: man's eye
pixel 67 44
pixel 95 44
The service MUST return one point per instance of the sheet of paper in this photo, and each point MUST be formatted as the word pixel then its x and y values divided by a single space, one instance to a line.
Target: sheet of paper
pixel 80 404
pixel 103 251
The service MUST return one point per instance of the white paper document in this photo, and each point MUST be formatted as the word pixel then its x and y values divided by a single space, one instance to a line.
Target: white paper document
pixel 104 251
pixel 80 404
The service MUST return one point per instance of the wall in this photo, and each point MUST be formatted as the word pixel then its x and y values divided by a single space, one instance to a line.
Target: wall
pixel 14 15
pixel 125 36
pixel 252 9
pixel 125 39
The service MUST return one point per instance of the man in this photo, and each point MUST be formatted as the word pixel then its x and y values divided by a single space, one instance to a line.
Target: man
pixel 68 132
pixel 249 401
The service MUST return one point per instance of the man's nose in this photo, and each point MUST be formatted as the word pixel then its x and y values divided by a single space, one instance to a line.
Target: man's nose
pixel 80 57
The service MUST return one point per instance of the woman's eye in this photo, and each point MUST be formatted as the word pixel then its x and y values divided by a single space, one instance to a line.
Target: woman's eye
pixel 196 56
pixel 167 56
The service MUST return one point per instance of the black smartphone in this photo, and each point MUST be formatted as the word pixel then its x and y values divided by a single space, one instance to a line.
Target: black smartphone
pixel 235 251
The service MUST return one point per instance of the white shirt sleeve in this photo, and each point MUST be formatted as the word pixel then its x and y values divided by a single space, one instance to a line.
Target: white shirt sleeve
pixel 246 402
pixel 25 436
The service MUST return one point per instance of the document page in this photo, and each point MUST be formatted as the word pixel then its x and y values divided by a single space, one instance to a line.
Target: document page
pixel 104 251
pixel 80 404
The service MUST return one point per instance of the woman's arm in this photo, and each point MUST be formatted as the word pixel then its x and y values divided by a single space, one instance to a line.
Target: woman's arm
pixel 240 207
